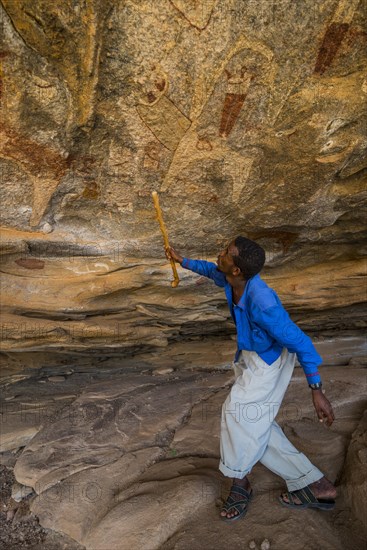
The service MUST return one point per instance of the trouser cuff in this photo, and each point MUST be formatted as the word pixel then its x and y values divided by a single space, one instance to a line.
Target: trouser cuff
pixel 228 472
pixel 314 475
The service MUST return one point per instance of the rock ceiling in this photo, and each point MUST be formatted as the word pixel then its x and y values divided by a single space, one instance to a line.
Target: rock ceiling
pixel 247 117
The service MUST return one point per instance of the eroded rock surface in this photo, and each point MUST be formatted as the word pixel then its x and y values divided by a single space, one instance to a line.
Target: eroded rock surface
pixel 130 448
pixel 354 481
pixel 248 117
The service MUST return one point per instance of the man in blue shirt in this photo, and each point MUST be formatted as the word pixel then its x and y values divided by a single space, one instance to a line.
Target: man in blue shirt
pixel 267 345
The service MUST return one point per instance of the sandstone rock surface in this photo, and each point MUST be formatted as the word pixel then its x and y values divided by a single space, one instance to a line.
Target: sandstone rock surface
pixel 248 117
pixel 354 482
pixel 130 449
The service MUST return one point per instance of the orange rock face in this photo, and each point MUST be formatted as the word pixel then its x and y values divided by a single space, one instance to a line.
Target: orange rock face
pixel 249 119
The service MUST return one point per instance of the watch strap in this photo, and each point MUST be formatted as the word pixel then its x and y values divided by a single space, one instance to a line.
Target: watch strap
pixel 315 386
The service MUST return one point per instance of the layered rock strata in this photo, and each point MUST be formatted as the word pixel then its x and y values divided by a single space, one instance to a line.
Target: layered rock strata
pixel 248 118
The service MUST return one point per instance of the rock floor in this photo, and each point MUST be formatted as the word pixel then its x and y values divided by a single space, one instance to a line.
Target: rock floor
pixel 124 453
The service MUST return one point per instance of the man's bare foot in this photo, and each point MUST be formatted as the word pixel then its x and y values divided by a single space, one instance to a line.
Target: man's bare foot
pixel 323 488
pixel 245 484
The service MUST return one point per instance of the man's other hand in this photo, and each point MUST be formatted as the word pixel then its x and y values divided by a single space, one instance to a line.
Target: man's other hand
pixel 323 407
pixel 172 254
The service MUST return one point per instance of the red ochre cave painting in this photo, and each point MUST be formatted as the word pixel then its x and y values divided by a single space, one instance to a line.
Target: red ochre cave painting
pixel 158 112
pixel 237 88
pixel 195 16
pixel 330 45
pixel 36 158
pixel 30 263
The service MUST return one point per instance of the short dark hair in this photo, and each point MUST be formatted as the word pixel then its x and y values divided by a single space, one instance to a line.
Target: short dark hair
pixel 251 257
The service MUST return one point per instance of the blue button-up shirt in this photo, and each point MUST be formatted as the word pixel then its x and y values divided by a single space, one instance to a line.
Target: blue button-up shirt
pixel 262 323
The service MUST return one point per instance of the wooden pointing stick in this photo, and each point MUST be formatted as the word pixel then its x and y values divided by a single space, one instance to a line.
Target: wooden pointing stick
pixel 176 280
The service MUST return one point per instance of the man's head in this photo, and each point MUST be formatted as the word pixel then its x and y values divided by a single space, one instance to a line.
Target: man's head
pixel 241 258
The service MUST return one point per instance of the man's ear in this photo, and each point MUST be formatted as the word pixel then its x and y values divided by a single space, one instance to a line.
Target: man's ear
pixel 236 271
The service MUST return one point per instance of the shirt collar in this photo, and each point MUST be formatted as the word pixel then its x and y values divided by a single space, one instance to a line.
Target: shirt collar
pixel 242 301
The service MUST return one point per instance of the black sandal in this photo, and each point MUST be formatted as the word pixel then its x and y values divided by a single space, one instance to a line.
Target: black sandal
pixel 308 500
pixel 240 505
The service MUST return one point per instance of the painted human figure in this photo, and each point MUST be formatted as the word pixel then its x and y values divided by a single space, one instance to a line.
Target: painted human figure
pixel 330 45
pixel 335 33
pixel 163 118
pixel 237 87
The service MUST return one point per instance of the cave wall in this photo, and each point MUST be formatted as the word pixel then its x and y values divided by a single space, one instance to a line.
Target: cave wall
pixel 247 117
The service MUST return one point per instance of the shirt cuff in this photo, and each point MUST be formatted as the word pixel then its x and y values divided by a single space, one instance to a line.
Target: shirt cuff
pixel 313 377
pixel 185 263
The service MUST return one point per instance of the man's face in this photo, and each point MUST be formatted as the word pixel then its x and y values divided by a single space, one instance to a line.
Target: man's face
pixel 225 259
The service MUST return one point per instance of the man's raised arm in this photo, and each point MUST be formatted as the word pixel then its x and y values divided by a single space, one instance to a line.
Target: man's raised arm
pixel 202 267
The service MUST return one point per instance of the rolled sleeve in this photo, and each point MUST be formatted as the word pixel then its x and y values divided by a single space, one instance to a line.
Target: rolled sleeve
pixel 206 269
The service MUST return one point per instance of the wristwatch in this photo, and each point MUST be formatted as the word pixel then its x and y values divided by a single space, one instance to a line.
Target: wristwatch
pixel 316 386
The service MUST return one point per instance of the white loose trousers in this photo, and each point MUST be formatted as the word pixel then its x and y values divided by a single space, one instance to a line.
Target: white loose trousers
pixel 249 432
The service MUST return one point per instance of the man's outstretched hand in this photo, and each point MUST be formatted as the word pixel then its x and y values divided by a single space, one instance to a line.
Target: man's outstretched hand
pixel 171 253
pixel 323 407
